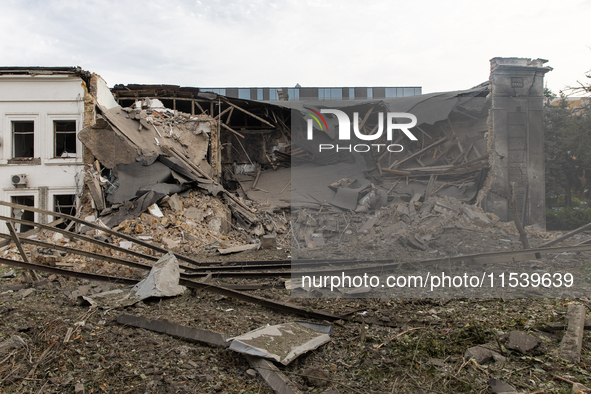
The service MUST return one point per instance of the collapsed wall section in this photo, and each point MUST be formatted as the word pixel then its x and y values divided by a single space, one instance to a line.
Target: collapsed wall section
pixel 517 139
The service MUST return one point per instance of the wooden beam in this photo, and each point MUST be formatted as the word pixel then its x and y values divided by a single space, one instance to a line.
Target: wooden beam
pixel 396 172
pixel 230 115
pixel 249 113
pixel 366 117
pixel 196 102
pixel 225 126
pixel 440 141
pixel 223 112
pixel 566 236
pixel 443 154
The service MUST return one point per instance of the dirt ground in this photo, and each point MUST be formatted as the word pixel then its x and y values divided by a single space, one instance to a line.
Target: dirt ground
pixel 402 346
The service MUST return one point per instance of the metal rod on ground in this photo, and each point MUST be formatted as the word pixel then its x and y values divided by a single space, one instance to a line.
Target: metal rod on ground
pixel 264 302
pixel 14 237
pixel 97 227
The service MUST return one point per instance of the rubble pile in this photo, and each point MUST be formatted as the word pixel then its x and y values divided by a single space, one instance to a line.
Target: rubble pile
pixel 414 224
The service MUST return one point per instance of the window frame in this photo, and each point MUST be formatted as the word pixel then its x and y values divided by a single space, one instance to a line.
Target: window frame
pixel 13 134
pixel 49 148
pixel 55 132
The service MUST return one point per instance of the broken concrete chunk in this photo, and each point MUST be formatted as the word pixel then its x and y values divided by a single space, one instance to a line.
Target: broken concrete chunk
pixel 403 209
pixel 79 388
pixel 316 376
pixel 14 342
pixel 174 202
pixel 237 249
pixel 498 386
pixel 170 243
pixel 314 240
pixel 346 198
pixel 194 213
pixel 155 210
pixel 126 244
pixel 578 388
pixel 269 242
pixel 520 341
pixel 162 281
pixel 221 220
pixel 478 218
pixel 572 342
pixel 483 355
pixel 415 242
pixel 282 342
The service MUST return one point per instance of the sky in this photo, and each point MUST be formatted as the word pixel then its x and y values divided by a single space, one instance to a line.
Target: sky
pixel 438 45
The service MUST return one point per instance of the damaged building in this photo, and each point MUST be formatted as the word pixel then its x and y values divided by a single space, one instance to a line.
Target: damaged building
pixel 470 146
pixel 41 159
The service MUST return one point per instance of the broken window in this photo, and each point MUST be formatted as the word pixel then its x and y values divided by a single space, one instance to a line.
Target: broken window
pixel 65 203
pixel 22 214
pixel 65 138
pixel 23 139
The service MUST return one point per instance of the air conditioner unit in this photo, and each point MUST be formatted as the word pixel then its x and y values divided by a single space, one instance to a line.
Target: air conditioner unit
pixel 19 180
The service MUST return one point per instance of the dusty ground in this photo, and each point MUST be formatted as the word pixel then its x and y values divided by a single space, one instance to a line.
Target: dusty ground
pixel 418 346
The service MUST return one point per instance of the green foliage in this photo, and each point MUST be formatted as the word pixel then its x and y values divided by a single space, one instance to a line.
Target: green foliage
pixel 567 139
pixel 567 218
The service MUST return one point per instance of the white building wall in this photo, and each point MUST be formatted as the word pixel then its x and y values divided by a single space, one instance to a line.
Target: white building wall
pixel 42 99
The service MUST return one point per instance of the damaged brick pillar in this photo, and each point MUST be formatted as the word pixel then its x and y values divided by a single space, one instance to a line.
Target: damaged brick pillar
pixel 517 145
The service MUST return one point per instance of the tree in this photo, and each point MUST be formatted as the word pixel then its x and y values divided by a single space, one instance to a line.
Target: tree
pixel 567 135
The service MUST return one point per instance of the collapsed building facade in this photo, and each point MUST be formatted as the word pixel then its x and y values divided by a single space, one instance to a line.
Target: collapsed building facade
pixel 470 146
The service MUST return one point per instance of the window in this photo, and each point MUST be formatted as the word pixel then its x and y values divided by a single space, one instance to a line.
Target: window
pixel 244 94
pixel 221 92
pixel 273 94
pixel 391 92
pixel 409 92
pixel 369 93
pixel 21 213
pixel 23 139
pixel 330 93
pixel 351 93
pixel 65 138
pixel 260 94
pixel 65 203
pixel 293 94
